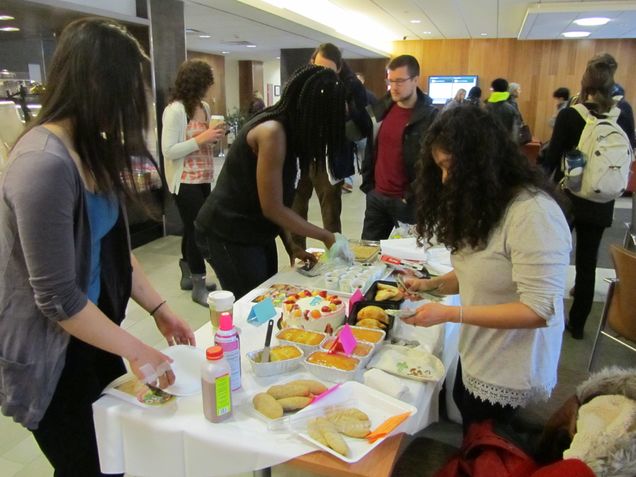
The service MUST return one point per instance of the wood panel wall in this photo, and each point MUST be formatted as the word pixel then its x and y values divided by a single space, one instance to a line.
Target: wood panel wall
pixel 538 66
pixel 374 71
pixel 216 96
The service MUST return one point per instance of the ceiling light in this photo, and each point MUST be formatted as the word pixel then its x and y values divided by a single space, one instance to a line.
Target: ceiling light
pixel 576 34
pixel 278 57
pixel 416 21
pixel 426 32
pixel 205 36
pixel 250 46
pixel 592 21
pixel 6 17
pixel 224 52
pixel 9 29
pixel 483 34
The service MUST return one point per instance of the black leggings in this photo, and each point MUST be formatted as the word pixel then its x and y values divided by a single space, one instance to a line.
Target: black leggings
pixel 588 241
pixel 66 433
pixel 473 409
pixel 240 268
pixel 189 200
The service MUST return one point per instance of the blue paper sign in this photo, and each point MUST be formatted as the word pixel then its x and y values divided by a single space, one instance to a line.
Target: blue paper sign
pixel 262 312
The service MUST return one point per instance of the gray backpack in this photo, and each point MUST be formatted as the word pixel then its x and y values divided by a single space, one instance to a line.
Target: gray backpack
pixel 608 156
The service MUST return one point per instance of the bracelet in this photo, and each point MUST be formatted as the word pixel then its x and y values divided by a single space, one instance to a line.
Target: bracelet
pixel 461 315
pixel 152 313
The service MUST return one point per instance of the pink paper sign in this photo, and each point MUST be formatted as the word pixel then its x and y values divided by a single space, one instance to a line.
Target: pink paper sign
pixel 355 298
pixel 347 340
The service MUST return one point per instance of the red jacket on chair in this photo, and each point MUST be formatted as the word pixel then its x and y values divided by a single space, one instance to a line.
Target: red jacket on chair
pixel 484 453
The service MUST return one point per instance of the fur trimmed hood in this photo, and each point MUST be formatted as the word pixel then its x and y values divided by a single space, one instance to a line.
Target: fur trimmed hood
pixel 611 450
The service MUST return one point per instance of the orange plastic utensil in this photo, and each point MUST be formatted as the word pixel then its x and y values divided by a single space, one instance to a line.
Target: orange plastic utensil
pixel 386 427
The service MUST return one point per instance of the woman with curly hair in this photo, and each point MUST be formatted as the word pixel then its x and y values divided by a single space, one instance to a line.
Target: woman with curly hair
pixel 186 144
pixel 251 203
pixel 510 246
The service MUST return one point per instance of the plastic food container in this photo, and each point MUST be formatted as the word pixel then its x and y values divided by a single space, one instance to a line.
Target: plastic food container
pixel 272 368
pixel 373 289
pixel 330 373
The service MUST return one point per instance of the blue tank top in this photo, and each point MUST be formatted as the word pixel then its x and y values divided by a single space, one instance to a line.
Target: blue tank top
pixel 103 212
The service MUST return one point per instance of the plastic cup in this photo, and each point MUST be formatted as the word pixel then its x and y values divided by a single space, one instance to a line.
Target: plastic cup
pixel 215 120
pixel 331 282
pixel 219 301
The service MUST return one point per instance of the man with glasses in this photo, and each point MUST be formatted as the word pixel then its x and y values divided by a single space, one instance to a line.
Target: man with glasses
pixel 404 115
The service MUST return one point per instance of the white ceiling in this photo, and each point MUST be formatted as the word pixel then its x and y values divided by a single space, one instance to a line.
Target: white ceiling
pixel 262 24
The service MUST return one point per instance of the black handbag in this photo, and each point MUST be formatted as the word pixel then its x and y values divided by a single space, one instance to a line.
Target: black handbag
pixel 525 136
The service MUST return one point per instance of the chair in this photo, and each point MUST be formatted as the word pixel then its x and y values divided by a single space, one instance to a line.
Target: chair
pixel 619 312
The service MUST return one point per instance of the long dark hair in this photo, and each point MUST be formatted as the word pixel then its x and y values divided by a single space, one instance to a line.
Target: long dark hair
pixel 194 77
pixel 312 110
pixel 597 83
pixel 486 172
pixel 96 81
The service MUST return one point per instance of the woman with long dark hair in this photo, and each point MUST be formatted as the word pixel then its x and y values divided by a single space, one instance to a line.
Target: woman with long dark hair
pixel 509 242
pixel 590 218
pixel 250 204
pixel 64 255
pixel 186 144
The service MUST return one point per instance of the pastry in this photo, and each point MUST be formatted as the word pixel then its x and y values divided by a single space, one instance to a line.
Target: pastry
pixel 335 360
pixel 373 312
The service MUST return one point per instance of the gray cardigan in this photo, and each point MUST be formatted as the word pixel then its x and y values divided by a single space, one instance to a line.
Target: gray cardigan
pixel 44 263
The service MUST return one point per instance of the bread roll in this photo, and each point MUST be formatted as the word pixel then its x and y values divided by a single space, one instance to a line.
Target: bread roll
pixel 267 406
pixel 294 403
pixel 288 390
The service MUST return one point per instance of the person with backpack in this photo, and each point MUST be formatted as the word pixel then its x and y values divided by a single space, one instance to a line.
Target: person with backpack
pixel 590 127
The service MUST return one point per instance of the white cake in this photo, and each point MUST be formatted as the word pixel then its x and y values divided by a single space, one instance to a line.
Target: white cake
pixel 317 311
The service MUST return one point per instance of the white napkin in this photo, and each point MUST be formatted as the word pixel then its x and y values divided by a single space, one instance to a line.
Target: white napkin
pixel 384 382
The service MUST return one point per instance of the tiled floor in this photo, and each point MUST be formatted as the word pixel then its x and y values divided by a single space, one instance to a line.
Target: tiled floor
pixel 19 454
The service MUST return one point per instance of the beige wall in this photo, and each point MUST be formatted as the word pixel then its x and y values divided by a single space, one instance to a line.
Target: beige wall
pixel 539 66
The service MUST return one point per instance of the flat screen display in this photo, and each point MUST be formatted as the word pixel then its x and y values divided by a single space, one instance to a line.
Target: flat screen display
pixel 443 88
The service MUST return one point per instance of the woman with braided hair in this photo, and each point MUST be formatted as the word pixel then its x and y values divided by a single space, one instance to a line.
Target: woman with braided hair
pixel 250 204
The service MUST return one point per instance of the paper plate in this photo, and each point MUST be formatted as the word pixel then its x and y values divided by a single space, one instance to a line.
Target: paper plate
pixel 187 369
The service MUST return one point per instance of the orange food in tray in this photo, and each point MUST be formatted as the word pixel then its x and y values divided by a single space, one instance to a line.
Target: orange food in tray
pixel 367 334
pixel 337 361
pixel 361 349
pixel 298 335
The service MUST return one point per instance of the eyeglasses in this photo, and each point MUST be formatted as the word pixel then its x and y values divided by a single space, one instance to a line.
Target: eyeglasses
pixel 399 81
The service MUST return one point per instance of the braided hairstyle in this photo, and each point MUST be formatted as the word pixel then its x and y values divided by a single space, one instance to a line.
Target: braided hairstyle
pixel 312 111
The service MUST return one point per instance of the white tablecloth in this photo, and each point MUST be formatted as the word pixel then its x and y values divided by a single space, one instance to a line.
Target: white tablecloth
pixel 178 440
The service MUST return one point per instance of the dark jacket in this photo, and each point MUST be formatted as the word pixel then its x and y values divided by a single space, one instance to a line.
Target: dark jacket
pixel 422 117
pixel 506 114
pixel 358 124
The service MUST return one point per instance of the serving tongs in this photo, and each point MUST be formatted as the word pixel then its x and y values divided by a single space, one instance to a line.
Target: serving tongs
pixel 422 295
pixel 405 313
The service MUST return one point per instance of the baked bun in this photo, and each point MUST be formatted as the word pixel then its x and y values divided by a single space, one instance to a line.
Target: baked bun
pixel 373 312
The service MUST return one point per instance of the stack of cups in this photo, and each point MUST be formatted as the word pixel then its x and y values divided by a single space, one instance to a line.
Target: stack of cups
pixel 220 301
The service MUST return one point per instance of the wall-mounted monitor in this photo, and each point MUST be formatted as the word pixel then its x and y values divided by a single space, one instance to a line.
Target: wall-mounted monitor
pixel 443 88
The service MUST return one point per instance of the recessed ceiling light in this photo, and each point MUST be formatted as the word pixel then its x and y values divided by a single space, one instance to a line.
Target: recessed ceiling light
pixel 416 21
pixel 250 46
pixel 6 17
pixel 278 57
pixel 592 21
pixel 205 36
pixel 9 29
pixel 224 52
pixel 426 32
pixel 483 34
pixel 576 34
